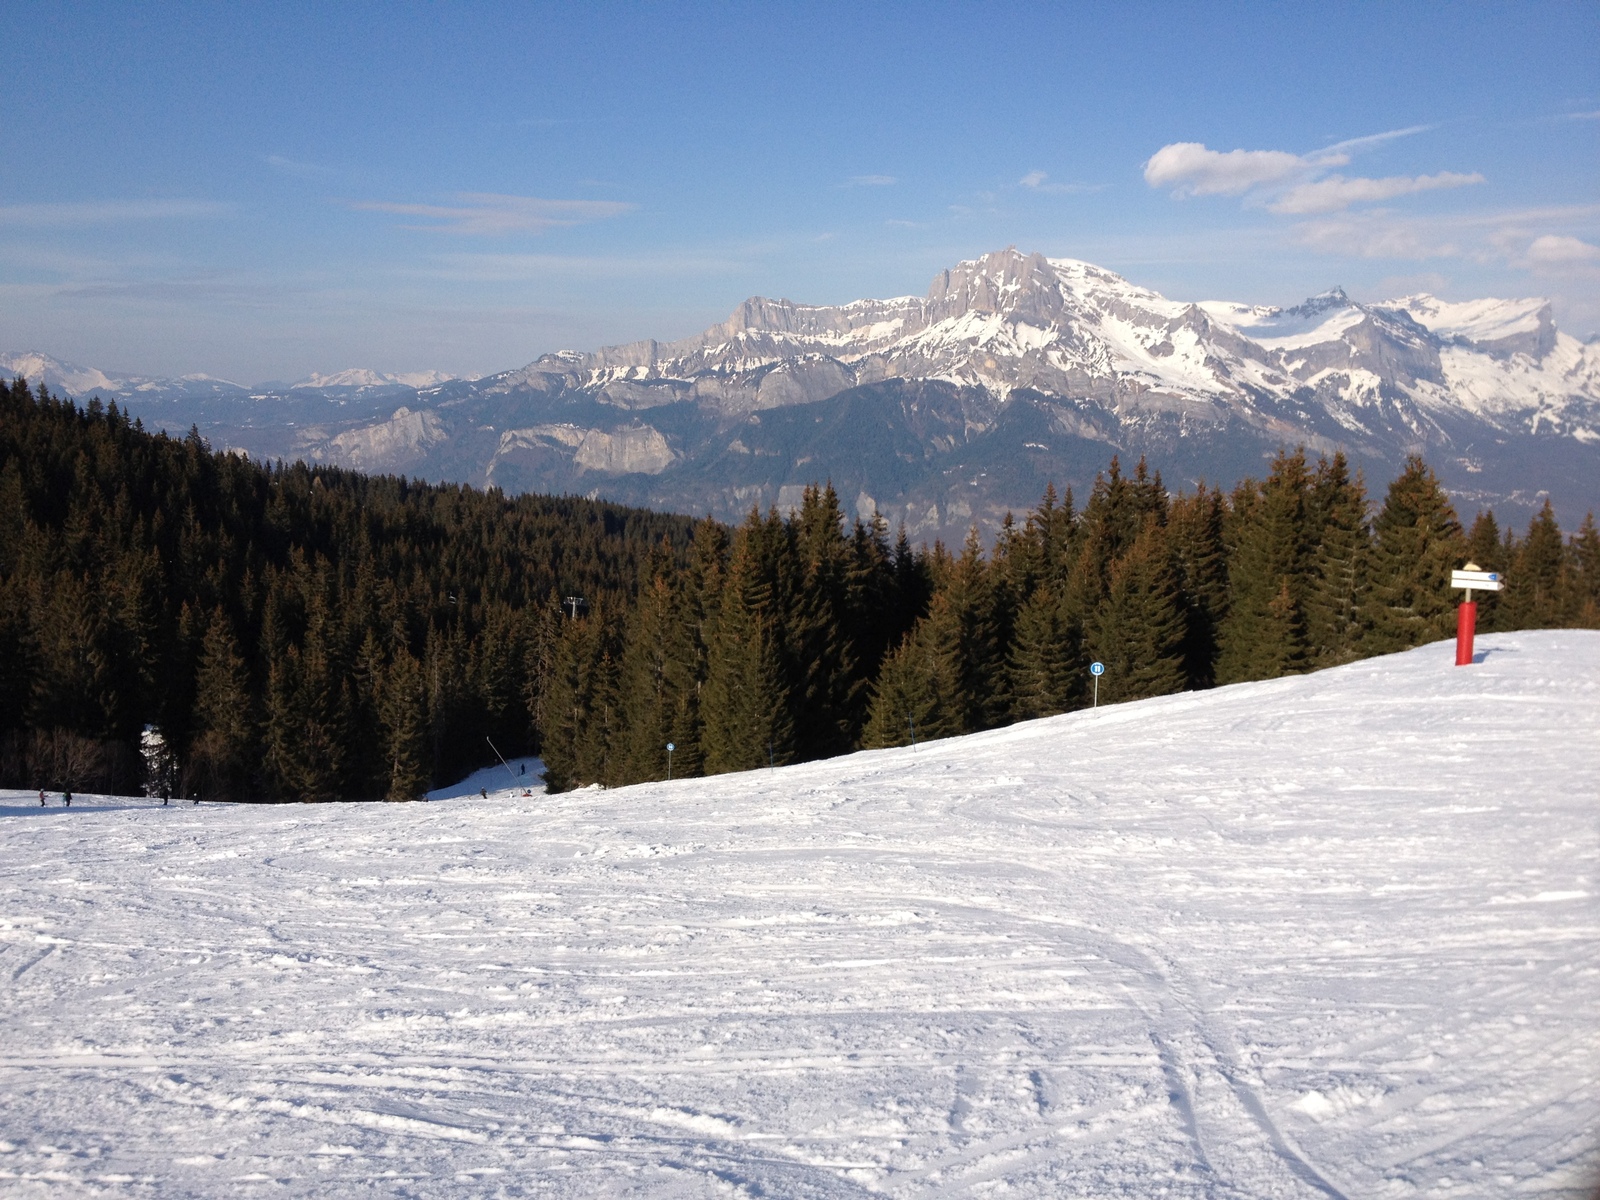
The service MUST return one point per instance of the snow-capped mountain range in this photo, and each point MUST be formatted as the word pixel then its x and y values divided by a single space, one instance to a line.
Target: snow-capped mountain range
pixel 950 408
pixel 74 380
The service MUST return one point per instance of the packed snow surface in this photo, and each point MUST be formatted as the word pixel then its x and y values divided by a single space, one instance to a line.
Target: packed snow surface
pixel 1328 936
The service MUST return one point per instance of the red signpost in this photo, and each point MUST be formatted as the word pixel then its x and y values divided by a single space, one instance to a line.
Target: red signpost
pixel 1471 578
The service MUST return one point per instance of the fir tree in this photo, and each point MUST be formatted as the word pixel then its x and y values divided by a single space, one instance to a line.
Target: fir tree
pixel 403 712
pixel 1337 507
pixel 827 689
pixel 1195 536
pixel 1417 542
pixel 1046 661
pixel 1264 635
pixel 1586 573
pixel 910 696
pixel 1537 593
pixel 746 702
pixel 222 759
pixel 1487 548
pixel 1138 629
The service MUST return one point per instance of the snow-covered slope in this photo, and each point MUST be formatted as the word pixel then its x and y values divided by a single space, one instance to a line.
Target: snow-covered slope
pixel 1331 936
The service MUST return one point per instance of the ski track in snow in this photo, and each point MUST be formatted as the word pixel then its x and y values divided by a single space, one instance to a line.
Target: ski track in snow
pixel 1329 936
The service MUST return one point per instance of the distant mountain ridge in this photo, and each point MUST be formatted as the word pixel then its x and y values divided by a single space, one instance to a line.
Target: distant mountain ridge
pixel 950 408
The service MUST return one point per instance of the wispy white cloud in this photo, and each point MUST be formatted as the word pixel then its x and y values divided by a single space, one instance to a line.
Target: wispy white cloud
pixel 1558 252
pixel 1193 169
pixel 1285 182
pixel 1528 238
pixel 1583 116
pixel 1336 192
pixel 487 214
pixel 1038 181
pixel 1343 150
pixel 105 212
pixel 870 181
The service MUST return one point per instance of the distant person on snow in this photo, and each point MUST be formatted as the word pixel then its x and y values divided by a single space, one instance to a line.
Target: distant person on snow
pixel 67 796
pixel 484 792
pixel 41 799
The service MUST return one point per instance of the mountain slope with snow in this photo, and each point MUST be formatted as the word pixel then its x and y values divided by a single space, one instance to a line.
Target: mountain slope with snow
pixel 1334 935
pixel 949 409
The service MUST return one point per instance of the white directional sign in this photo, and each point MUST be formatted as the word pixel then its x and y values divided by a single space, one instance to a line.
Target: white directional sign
pixel 1476 581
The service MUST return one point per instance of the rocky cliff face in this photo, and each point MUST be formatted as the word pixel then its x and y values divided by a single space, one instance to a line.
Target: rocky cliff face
pixel 1013 370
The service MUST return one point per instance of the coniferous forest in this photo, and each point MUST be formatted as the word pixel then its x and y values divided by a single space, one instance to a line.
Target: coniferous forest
pixel 306 633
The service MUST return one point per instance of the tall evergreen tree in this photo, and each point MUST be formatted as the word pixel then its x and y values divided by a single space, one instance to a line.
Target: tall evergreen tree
pixel 746 701
pixel 1487 548
pixel 1417 542
pixel 1537 592
pixel 1195 536
pixel 222 759
pixel 403 712
pixel 1264 635
pixel 1337 509
pixel 1586 573
pixel 1138 629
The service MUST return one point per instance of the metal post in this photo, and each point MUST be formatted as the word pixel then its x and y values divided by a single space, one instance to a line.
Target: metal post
pixel 1096 703
pixel 503 762
pixel 1466 626
pixel 670 748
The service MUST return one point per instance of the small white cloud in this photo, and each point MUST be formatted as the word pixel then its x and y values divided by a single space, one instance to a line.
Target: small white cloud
pixel 1036 181
pixel 486 214
pixel 1190 168
pixel 1584 116
pixel 1558 250
pixel 871 181
pixel 101 212
pixel 1336 192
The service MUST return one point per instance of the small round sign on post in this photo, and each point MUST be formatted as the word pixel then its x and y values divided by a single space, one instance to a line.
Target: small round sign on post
pixel 1097 669
pixel 670 749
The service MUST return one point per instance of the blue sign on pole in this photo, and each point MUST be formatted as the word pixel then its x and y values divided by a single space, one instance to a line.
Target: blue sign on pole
pixel 1098 668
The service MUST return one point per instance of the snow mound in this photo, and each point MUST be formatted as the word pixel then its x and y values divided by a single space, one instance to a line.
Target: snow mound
pixel 1334 935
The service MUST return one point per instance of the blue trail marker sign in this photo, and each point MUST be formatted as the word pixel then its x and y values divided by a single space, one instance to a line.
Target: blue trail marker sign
pixel 1097 669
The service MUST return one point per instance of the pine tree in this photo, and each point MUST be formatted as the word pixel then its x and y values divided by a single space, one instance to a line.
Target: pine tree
pixel 1138 629
pixel 1264 635
pixel 1046 661
pixel 1337 588
pixel 1487 549
pixel 1537 593
pixel 646 680
pixel 910 696
pixel 403 712
pixel 1585 551
pixel 827 688
pixel 961 628
pixel 1195 536
pixel 746 701
pixel 222 759
pixel 1417 542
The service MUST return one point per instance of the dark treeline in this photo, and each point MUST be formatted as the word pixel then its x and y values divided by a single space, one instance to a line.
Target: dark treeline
pixel 292 632
pixel 308 633
pixel 793 639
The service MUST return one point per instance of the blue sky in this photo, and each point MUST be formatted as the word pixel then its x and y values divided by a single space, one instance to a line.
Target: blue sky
pixel 263 192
